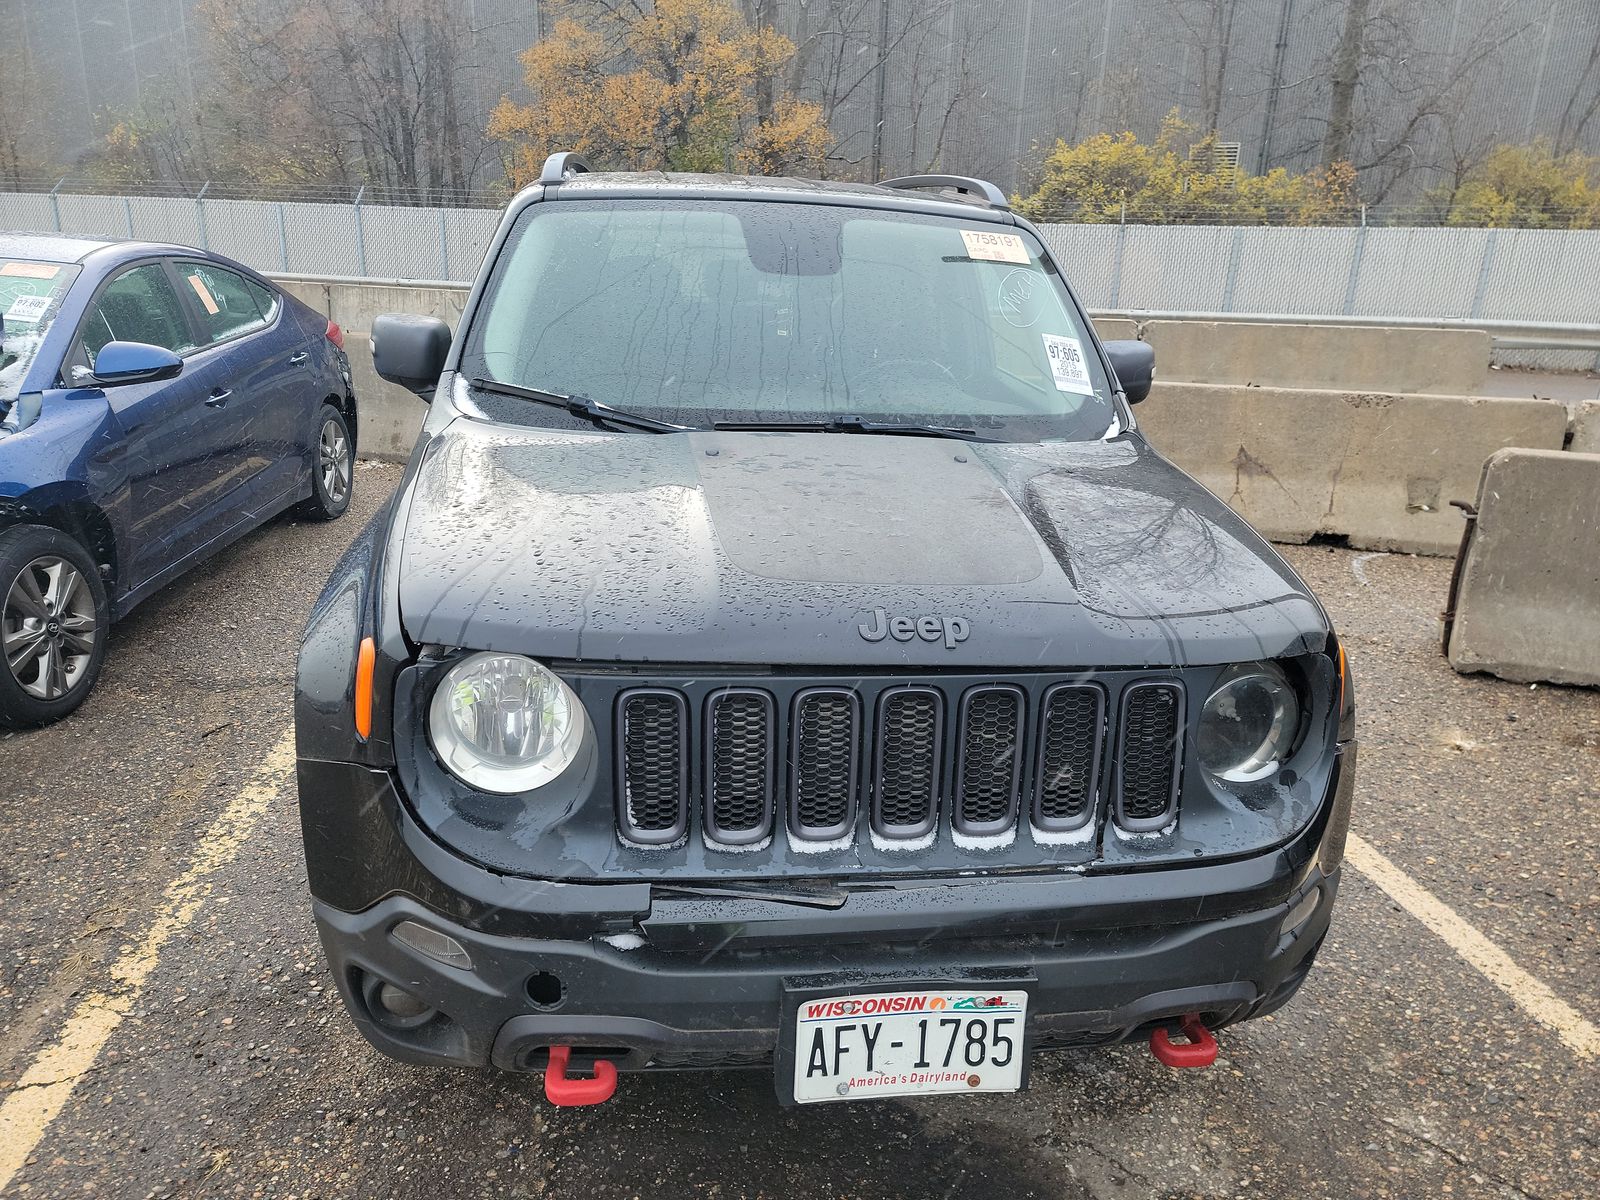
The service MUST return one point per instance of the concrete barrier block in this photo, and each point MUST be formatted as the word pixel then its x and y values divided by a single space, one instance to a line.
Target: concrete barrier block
pixel 1116 329
pixel 1379 470
pixel 1586 428
pixel 1265 452
pixel 1527 606
pixel 1451 362
pixel 1409 456
pixel 391 417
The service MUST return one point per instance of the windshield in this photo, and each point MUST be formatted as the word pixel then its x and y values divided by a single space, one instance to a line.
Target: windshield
pixel 699 311
pixel 30 294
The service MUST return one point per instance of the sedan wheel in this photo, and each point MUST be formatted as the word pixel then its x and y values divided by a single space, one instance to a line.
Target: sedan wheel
pixel 48 628
pixel 334 451
pixel 332 467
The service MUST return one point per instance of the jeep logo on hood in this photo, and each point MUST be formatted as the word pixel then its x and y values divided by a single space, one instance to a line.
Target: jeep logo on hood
pixel 880 625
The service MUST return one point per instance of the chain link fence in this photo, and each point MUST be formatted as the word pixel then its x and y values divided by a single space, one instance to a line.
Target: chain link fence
pixel 1522 275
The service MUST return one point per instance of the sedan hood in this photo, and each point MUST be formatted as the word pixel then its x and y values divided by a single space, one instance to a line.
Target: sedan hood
pixel 833 549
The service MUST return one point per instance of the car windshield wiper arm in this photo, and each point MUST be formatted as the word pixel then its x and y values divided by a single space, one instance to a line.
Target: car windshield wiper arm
pixel 855 425
pixel 580 406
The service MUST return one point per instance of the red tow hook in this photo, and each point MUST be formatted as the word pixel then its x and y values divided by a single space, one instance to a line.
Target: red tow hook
pixel 1199 1051
pixel 565 1092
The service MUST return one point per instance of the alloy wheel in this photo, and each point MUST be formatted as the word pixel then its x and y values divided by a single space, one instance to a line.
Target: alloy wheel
pixel 48 627
pixel 334 451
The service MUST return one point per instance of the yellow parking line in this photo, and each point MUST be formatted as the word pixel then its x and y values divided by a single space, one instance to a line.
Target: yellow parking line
pixel 1493 963
pixel 49 1081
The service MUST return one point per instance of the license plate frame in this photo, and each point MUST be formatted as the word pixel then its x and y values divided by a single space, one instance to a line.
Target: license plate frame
pixel 975 990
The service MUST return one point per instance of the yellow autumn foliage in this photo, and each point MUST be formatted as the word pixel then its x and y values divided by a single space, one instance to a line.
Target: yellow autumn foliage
pixel 677 86
pixel 1176 180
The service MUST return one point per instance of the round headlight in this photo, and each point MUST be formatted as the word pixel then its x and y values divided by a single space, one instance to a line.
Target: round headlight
pixel 504 724
pixel 1249 723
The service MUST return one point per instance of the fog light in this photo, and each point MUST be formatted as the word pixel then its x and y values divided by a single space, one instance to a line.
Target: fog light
pixel 393 1007
pixel 398 1002
pixel 1301 912
pixel 440 947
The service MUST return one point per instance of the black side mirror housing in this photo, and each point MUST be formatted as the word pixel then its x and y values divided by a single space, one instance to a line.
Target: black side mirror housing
pixel 1135 365
pixel 134 362
pixel 410 350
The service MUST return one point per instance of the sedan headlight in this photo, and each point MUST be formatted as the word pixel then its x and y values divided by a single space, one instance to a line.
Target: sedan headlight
pixel 1249 723
pixel 504 724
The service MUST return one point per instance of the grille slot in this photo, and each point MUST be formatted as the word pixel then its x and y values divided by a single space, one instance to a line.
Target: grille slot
pixel 739 766
pixel 910 736
pixel 824 763
pixel 652 766
pixel 1071 732
pixel 989 766
pixel 1151 741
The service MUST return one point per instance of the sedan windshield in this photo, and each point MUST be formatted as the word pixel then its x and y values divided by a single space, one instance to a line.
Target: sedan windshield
pixel 697 312
pixel 30 293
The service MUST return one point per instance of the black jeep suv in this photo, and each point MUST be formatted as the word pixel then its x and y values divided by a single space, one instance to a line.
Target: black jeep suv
pixel 784 651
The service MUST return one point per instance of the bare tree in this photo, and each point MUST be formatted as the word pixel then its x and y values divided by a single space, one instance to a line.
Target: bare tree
pixel 901 82
pixel 1342 83
pixel 1205 29
pixel 1391 87
pixel 22 131
pixel 1583 104
pixel 351 91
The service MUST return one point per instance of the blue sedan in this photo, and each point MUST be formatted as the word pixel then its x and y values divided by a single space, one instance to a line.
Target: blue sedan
pixel 156 403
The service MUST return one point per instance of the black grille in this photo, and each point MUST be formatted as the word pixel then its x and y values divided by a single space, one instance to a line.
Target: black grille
pixel 653 766
pixel 738 760
pixel 1069 756
pixel 910 733
pixel 739 766
pixel 824 763
pixel 989 768
pixel 1147 778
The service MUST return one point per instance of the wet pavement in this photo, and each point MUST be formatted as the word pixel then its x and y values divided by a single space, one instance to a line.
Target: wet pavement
pixel 1400 1070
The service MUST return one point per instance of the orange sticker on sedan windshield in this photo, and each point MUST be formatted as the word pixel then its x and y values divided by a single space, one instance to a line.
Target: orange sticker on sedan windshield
pixel 204 293
pixel 29 270
pixel 995 246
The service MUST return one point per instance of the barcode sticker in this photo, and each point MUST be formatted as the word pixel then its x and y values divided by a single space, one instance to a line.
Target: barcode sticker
pixel 1067 367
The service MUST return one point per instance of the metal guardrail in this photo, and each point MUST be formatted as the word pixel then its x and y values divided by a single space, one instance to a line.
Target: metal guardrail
pixel 1506 335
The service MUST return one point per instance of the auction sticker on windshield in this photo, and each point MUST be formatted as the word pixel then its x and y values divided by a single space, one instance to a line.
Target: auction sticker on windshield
pixel 908 1044
pixel 994 246
pixel 28 308
pixel 1067 367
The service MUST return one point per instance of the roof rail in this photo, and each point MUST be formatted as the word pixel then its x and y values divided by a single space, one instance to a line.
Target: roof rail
pixel 961 183
pixel 559 168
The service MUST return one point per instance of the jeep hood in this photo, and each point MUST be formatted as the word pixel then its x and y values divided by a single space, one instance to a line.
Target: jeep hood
pixel 778 548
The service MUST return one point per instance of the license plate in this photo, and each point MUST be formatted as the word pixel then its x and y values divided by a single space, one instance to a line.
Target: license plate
pixel 913 1043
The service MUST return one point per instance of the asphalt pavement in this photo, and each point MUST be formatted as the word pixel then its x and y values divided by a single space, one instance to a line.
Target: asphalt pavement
pixel 167 1027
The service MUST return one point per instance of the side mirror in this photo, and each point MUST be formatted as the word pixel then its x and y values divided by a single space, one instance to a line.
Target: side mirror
pixel 410 350
pixel 134 362
pixel 1135 365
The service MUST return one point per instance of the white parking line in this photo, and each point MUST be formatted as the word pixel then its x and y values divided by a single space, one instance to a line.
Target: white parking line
pixel 49 1081
pixel 1493 963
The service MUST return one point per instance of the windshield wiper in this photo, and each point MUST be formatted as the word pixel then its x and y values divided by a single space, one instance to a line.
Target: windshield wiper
pixel 854 425
pixel 581 406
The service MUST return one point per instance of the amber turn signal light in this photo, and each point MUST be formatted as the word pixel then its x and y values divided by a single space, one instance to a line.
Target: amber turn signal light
pixel 365 661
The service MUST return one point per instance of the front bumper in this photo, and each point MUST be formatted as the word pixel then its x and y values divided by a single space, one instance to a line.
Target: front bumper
pixel 627 973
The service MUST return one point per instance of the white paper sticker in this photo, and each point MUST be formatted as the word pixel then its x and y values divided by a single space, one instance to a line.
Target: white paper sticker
pixel 27 309
pixel 1067 367
pixel 994 246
